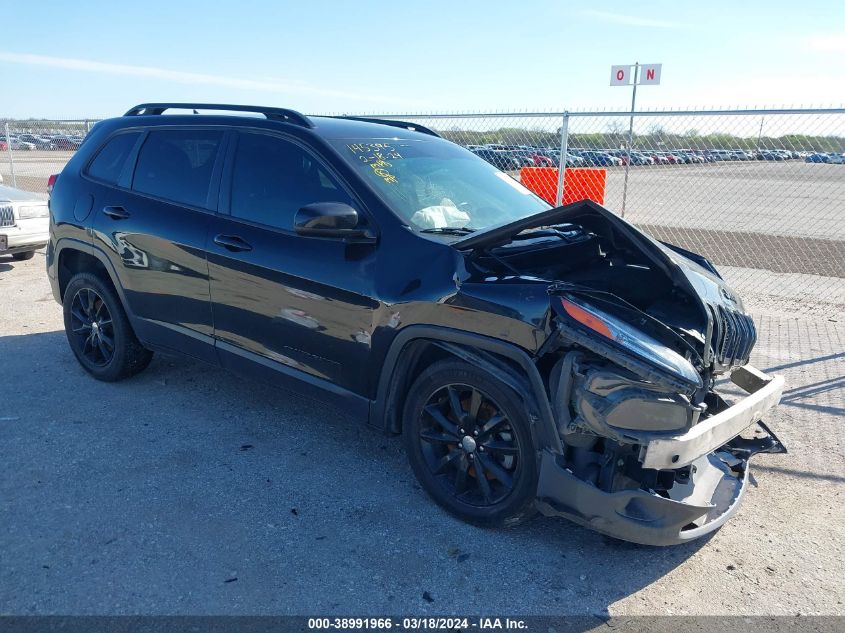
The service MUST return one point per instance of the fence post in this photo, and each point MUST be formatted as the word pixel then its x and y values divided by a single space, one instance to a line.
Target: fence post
pixel 11 160
pixel 561 170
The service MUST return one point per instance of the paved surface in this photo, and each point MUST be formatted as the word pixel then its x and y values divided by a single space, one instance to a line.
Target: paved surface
pixel 188 490
pixel 790 198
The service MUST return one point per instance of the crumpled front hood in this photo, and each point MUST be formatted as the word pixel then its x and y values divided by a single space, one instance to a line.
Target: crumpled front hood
pixel 715 312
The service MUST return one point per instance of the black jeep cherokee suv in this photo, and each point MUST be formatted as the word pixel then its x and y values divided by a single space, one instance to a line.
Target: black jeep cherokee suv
pixel 534 359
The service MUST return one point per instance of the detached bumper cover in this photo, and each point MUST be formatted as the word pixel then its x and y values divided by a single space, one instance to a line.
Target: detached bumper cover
pixel 712 495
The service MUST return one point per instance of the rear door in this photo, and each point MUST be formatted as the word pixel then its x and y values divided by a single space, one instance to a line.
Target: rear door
pixel 301 305
pixel 153 227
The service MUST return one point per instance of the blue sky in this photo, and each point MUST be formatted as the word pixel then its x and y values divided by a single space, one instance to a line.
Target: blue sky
pixel 96 58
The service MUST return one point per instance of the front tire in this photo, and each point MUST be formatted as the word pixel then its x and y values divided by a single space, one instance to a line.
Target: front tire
pixel 469 443
pixel 99 332
pixel 21 257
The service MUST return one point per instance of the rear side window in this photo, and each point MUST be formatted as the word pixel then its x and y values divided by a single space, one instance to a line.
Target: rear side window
pixel 272 179
pixel 177 165
pixel 112 157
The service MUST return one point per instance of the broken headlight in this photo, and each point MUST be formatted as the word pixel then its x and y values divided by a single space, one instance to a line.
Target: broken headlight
pixel 631 340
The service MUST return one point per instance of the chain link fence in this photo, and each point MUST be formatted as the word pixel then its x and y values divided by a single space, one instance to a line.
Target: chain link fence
pixel 31 150
pixel 760 192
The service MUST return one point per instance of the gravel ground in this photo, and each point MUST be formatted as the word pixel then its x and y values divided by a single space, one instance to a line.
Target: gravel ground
pixel 189 490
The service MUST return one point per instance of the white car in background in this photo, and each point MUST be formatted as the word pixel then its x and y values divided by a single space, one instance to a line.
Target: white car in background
pixel 24 223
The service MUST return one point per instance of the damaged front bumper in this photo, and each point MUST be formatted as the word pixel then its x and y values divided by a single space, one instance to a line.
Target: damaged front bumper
pixel 717 459
pixel 708 435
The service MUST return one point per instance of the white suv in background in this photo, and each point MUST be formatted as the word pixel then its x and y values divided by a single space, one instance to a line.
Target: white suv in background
pixel 24 223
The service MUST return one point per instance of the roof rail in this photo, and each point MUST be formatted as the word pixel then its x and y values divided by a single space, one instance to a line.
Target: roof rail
pixel 275 114
pixel 405 125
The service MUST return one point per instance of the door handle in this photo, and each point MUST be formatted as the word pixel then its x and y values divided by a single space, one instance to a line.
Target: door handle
pixel 232 243
pixel 116 213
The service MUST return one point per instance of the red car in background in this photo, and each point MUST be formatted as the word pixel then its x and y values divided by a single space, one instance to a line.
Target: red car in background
pixel 532 158
pixel 669 158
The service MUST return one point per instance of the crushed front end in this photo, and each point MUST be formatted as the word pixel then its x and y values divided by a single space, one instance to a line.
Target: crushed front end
pixel 641 338
pixel 643 461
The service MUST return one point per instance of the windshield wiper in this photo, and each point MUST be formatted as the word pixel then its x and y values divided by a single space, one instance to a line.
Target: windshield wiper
pixel 449 230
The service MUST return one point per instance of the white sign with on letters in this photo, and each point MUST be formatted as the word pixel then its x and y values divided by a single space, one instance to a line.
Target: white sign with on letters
pixel 649 74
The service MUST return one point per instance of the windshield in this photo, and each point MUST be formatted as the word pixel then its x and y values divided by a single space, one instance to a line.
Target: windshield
pixel 434 184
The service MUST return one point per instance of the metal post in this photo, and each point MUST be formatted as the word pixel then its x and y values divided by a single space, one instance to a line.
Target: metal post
pixel 11 161
pixel 561 170
pixel 630 136
pixel 760 135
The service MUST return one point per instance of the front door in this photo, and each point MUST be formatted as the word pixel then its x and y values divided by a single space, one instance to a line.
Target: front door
pixel 305 304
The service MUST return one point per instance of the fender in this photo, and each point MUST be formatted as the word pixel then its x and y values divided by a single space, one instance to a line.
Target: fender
pixel 89 249
pixel 477 350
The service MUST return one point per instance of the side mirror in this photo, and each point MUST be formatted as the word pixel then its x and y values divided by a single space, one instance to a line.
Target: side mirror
pixel 330 219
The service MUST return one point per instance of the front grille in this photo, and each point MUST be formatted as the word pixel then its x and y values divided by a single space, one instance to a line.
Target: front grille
pixel 7 215
pixel 733 337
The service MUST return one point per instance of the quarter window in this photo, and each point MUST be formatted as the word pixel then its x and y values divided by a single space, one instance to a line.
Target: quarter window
pixel 272 179
pixel 111 158
pixel 177 165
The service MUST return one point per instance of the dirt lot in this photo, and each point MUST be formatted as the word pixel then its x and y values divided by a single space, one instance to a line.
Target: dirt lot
pixel 188 490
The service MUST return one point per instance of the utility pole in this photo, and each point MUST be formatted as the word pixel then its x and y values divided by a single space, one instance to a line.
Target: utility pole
pixel 630 136
pixel 11 160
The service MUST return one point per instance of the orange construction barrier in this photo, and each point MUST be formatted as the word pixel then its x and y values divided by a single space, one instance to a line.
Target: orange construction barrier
pixel 581 183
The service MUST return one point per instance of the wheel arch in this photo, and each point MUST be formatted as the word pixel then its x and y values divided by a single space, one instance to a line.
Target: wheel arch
pixel 418 346
pixel 74 256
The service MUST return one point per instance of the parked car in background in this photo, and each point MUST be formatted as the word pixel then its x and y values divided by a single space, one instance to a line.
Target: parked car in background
pixel 636 158
pixel 741 154
pixel 24 223
pixel 622 155
pixel 533 158
pixel 38 142
pixel 600 159
pixel 766 154
pixel 817 157
pixel 498 158
pixel 67 143
pixel 641 158
pixel 671 158
pixel 836 159
pixel 691 156
pixel 21 146
pixel 571 159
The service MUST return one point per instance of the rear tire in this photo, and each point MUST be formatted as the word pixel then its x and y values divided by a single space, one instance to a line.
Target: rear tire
pixel 470 445
pixel 20 257
pixel 99 332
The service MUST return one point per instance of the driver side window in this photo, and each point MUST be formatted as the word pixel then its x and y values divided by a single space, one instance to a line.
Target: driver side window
pixel 273 178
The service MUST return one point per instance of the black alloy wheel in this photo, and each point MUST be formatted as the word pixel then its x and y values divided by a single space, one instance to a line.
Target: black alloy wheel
pixel 469 445
pixel 92 324
pixel 469 442
pixel 98 330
